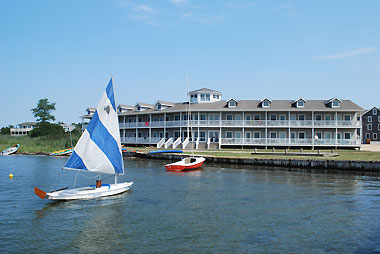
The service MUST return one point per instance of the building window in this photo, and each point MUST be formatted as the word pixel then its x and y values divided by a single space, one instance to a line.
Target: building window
pixel 257 134
pixel 193 98
pixel 158 106
pixel 273 117
pixel 301 117
pixel 319 135
pixel 282 117
pixel 368 135
pixel 266 104
pixel 203 135
pixel 207 97
pixel 138 108
pixel 369 119
pixel 215 96
pixel 374 136
pixel 229 117
pixel 203 117
pixel 232 104
pixel 203 97
pixel 248 117
pixel 347 135
pixel 335 104
pixel 369 127
pixel 374 111
pixel 328 117
pixel 248 135
pixel 347 117
pixel 301 135
pixel 228 134
pixel 300 104
pixel 378 127
pixel 378 119
pixel 273 134
pixel 257 117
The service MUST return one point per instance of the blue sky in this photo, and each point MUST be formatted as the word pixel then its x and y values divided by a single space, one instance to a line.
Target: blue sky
pixel 66 51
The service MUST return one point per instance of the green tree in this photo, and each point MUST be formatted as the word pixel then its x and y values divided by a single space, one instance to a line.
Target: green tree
pixel 6 130
pixel 48 129
pixel 43 111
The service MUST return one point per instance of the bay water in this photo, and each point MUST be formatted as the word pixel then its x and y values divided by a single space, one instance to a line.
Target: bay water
pixel 219 209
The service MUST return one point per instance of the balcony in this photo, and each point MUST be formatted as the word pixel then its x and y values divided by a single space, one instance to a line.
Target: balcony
pixel 245 123
pixel 289 142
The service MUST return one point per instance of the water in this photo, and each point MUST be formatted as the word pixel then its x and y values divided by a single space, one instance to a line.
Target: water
pixel 217 210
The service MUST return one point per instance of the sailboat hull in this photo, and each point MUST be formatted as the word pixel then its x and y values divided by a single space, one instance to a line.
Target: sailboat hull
pixel 90 192
pixel 186 164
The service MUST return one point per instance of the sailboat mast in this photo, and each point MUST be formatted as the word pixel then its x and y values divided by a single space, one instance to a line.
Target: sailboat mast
pixel 189 118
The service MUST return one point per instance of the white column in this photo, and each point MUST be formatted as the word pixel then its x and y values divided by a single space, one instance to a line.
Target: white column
pixel 137 132
pixel 266 128
pixel 336 127
pixel 289 141
pixel 165 126
pixel 150 128
pixel 312 127
pixel 243 129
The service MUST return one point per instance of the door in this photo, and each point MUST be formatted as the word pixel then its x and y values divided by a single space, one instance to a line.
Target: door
pixel 214 136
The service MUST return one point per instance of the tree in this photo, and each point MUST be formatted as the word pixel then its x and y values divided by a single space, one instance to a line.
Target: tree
pixel 6 130
pixel 48 129
pixel 43 111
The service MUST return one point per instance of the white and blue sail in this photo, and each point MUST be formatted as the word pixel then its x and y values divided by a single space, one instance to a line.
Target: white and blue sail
pixel 99 149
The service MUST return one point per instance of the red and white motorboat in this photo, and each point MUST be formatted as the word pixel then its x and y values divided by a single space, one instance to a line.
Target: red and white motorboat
pixel 188 163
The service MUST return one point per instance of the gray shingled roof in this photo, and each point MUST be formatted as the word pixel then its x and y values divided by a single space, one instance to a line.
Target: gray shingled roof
pixel 126 106
pixel 166 103
pixel 145 105
pixel 254 105
pixel 204 90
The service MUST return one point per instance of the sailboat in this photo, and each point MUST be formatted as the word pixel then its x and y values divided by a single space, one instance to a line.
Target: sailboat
pixel 192 162
pixel 98 151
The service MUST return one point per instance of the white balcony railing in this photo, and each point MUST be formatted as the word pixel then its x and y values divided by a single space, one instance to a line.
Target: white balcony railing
pixel 177 142
pixel 161 143
pixel 287 141
pixel 185 143
pixel 168 142
pixel 244 123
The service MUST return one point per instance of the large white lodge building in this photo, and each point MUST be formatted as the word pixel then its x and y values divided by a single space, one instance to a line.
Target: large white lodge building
pixel 218 123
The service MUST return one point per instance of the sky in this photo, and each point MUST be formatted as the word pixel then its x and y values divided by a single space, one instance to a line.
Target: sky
pixel 67 51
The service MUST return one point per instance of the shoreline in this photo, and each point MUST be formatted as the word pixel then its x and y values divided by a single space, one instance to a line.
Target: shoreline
pixel 343 165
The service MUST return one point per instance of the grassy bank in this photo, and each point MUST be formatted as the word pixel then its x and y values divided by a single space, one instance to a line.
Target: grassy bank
pixel 34 145
pixel 239 153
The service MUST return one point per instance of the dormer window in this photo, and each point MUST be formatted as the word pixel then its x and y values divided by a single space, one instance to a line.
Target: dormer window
pixel 374 111
pixel 231 103
pixel 266 104
pixel 335 104
pixel 138 108
pixel 158 106
pixel 300 104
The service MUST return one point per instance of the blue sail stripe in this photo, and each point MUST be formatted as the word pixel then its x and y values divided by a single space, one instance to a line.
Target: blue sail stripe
pixel 105 141
pixel 111 95
pixel 75 161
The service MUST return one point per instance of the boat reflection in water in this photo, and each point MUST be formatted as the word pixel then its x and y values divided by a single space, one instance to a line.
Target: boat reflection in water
pixel 191 172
